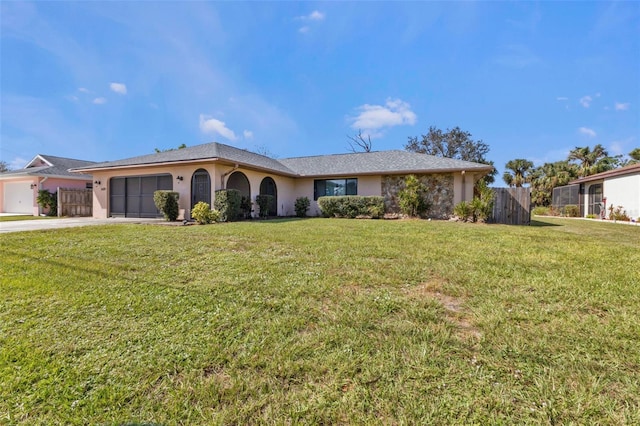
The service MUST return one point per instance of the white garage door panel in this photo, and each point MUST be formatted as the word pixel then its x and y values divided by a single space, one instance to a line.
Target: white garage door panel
pixel 18 197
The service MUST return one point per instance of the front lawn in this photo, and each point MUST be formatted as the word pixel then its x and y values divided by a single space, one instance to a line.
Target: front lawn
pixel 321 321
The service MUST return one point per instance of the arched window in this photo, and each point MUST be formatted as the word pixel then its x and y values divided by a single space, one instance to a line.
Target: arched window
pixel 268 187
pixel 239 181
pixel 200 187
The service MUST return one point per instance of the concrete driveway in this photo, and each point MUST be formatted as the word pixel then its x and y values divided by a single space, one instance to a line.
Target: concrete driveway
pixel 69 222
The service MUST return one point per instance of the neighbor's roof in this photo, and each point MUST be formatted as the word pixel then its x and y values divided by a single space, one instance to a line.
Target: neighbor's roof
pixel 627 170
pixel 379 162
pixel 49 166
pixel 209 151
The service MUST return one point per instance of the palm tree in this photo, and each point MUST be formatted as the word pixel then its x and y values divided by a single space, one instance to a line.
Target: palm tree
pixel 587 159
pixel 517 173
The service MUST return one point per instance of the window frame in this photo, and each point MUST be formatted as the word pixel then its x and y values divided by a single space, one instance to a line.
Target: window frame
pixel 350 186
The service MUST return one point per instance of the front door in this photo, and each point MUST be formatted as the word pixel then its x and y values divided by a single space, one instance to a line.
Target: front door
pixel 200 188
pixel 595 199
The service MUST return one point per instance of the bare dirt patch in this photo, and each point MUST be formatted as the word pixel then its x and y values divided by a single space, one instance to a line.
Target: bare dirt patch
pixel 454 306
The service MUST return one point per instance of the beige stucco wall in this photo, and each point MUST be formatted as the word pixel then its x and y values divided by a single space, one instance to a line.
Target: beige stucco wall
pixel 284 185
pixel 288 188
pixel 463 184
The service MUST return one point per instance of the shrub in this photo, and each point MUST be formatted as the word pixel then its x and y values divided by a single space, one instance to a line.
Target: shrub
pixel 464 211
pixel 571 210
pixel 592 216
pixel 301 206
pixel 412 197
pixel 48 200
pixel 482 203
pixel 167 203
pixel 541 211
pixel 264 201
pixel 203 214
pixel 352 206
pixel 618 213
pixel 245 207
pixel 227 202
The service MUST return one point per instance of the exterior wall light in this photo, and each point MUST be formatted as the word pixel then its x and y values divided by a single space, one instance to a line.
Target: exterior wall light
pixel 34 185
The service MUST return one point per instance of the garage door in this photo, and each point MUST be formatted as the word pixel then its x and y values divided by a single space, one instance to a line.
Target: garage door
pixel 18 197
pixel 133 196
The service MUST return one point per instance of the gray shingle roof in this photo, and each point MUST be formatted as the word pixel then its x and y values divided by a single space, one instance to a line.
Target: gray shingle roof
pixel 199 152
pixel 60 168
pixel 379 162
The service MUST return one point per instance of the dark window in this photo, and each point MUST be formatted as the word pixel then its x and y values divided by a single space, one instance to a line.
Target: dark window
pixel 331 187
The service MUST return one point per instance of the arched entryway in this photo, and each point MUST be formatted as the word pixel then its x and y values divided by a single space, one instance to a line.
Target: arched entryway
pixel 200 187
pixel 239 181
pixel 268 187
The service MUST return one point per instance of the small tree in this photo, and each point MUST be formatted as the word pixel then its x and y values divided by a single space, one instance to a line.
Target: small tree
pixel 301 206
pixel 227 202
pixel 48 200
pixel 264 201
pixel 359 142
pixel 167 203
pixel 412 197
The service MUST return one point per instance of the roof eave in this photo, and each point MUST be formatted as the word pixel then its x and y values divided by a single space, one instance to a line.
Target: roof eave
pixel 180 162
pixel 483 170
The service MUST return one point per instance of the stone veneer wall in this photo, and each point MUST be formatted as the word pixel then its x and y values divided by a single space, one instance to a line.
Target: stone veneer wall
pixel 439 193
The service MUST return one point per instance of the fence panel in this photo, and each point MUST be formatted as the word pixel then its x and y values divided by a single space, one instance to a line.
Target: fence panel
pixel 512 206
pixel 75 202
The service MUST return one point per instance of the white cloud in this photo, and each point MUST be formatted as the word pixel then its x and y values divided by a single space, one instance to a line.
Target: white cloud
pixel 99 101
pixel 304 30
pixel 587 132
pixel 83 90
pixel 119 88
pixel 585 101
pixel 72 98
pixel 562 98
pixel 248 134
pixel 211 125
pixel 373 118
pixel 316 15
pixel 17 163
pixel 622 106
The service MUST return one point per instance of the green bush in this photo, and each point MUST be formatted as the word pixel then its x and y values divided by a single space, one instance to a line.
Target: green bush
pixel 48 200
pixel 482 203
pixel 203 214
pixel 618 213
pixel 167 203
pixel 352 206
pixel 571 210
pixel 227 202
pixel 413 201
pixel 464 211
pixel 263 202
pixel 541 211
pixel 245 207
pixel 301 206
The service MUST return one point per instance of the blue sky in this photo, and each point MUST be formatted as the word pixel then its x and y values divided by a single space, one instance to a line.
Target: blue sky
pixel 108 80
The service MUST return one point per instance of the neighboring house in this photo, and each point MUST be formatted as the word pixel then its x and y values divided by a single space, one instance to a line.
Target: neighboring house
pixel 126 187
pixel 619 187
pixel 19 188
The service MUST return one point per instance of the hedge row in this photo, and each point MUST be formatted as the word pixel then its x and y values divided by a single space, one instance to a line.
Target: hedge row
pixel 352 206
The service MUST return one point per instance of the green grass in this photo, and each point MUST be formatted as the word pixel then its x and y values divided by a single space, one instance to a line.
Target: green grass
pixel 24 217
pixel 322 321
